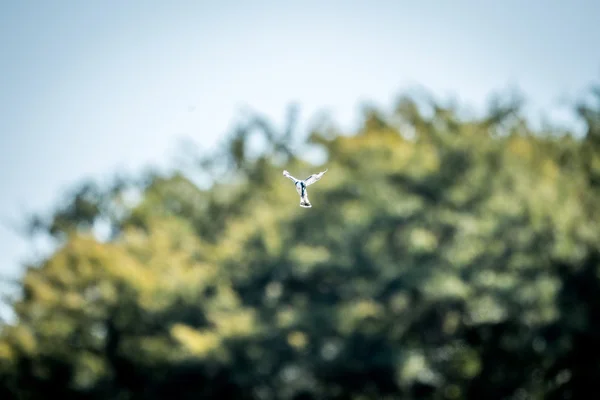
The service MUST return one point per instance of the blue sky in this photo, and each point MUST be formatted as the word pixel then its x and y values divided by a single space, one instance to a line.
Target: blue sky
pixel 88 88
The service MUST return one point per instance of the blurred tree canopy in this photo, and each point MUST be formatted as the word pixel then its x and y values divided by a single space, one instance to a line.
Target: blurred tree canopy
pixel 445 257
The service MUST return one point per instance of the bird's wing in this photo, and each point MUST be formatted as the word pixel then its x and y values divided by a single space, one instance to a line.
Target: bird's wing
pixel 287 175
pixel 313 178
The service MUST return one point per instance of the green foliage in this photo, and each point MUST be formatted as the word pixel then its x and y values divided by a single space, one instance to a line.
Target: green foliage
pixel 443 258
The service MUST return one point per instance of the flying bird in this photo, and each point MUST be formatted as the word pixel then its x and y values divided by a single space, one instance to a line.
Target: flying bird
pixel 302 184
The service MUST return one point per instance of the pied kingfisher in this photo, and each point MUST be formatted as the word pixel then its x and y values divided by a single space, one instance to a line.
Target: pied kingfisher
pixel 302 184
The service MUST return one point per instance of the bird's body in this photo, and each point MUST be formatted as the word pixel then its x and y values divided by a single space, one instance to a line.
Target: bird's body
pixel 302 184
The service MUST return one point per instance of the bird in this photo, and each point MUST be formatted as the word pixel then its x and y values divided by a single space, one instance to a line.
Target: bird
pixel 301 186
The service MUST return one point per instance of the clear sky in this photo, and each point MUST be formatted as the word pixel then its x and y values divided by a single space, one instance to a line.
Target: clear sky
pixel 88 87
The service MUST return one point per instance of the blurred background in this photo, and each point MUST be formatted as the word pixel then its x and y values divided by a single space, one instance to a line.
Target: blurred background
pixel 150 246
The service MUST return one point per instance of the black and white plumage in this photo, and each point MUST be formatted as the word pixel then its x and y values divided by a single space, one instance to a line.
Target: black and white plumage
pixel 301 186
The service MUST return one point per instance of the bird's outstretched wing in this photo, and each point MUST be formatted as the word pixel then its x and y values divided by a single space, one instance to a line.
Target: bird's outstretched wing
pixel 314 177
pixel 287 175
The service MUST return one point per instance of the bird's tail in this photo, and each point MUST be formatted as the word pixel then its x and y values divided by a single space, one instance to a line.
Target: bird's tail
pixel 305 204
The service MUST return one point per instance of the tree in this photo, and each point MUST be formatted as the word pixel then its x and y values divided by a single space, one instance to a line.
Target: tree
pixel 443 258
